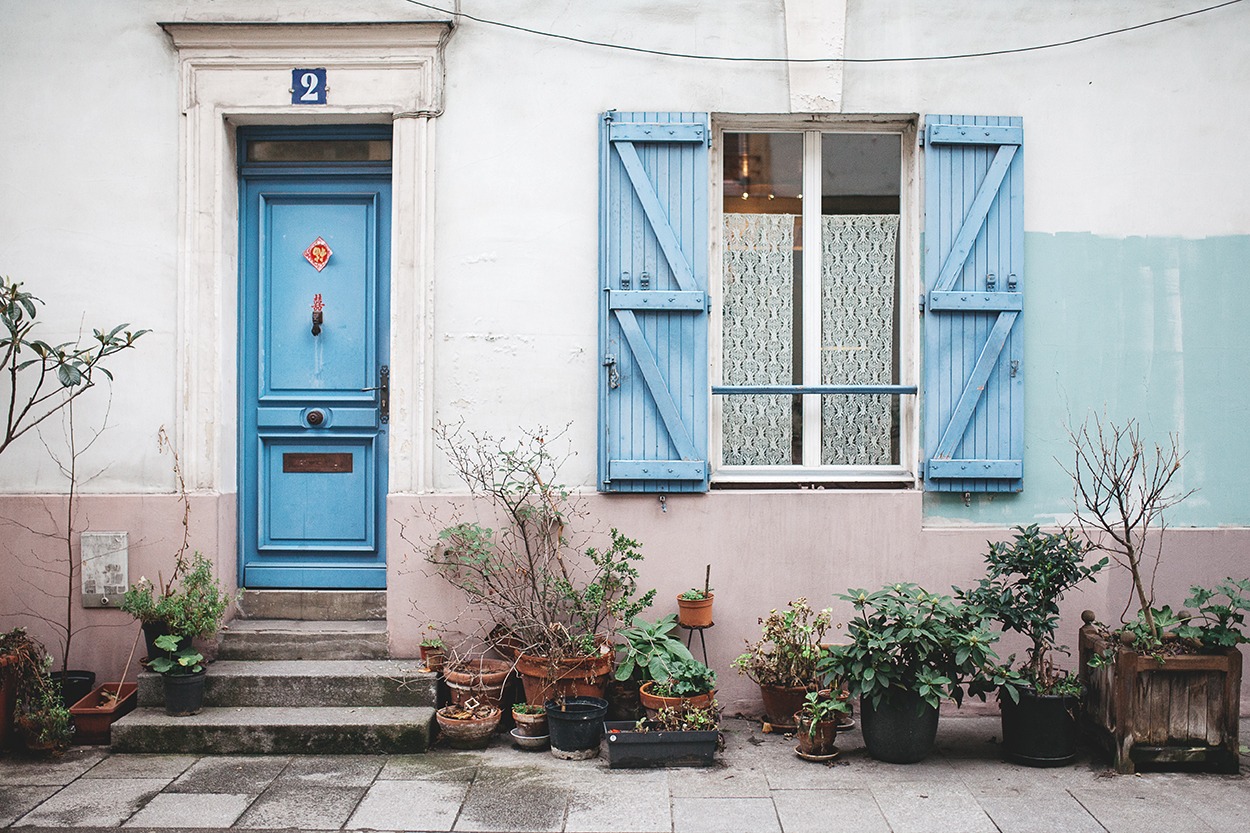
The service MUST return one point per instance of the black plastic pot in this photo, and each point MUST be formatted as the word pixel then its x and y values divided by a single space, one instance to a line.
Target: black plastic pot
pixel 73 685
pixel 184 694
pixel 1041 729
pixel 151 630
pixel 630 748
pixel 576 726
pixel 902 730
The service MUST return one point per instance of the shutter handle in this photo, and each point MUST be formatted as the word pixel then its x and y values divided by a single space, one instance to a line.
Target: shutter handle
pixel 990 282
pixel 624 280
pixel 614 376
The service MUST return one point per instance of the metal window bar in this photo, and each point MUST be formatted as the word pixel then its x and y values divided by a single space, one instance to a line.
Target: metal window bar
pixel 732 390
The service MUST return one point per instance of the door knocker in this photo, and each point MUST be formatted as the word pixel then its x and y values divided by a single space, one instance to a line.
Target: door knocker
pixel 317 316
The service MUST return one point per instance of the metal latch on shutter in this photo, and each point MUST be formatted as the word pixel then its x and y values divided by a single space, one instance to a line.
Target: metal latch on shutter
pixel 614 376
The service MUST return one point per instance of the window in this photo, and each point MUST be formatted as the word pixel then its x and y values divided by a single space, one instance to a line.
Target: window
pixel 811 307
pixel 807 336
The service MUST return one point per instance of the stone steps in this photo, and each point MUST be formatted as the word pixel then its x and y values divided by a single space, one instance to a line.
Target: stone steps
pixel 307 683
pixel 262 639
pixel 258 730
pixel 300 672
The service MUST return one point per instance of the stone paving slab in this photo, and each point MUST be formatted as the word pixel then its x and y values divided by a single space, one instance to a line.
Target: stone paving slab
pixel 334 770
pixel 829 811
pixel 926 807
pixel 17 772
pixel 725 815
pixel 1053 812
pixel 230 774
pixel 398 805
pixel 94 802
pixel 301 806
pixel 191 810
pixel 621 801
pixel 16 802
pixel 505 799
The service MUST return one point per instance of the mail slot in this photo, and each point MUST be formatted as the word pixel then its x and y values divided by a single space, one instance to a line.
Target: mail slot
pixel 337 463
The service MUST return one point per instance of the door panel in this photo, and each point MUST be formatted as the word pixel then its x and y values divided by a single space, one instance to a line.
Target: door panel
pixel 313 442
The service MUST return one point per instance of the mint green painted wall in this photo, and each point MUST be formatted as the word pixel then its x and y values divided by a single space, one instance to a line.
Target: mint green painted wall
pixel 1146 327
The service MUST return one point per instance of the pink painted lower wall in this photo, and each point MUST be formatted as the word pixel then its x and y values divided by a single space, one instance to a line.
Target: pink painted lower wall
pixel 33 563
pixel 765 548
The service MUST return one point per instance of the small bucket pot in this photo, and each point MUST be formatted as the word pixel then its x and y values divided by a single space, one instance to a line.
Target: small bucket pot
pixel 576 727
pixel 184 694
pixel 73 685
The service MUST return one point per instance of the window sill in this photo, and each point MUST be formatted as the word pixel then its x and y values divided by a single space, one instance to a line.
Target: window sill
pixel 825 477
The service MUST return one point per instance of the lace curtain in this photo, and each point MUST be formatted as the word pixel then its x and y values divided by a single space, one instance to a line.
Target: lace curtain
pixel 758 336
pixel 857 336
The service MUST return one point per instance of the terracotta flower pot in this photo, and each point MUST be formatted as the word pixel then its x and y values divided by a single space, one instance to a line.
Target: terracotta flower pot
pixel 93 721
pixel 652 703
pixel 781 702
pixel 819 742
pixel 434 656
pixel 468 732
pixel 695 613
pixel 530 725
pixel 480 678
pixel 585 676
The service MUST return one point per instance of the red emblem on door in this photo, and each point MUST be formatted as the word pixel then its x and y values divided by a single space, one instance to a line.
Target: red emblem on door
pixel 318 254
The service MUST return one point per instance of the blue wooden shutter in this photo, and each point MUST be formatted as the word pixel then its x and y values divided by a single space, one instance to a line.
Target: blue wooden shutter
pixel 974 279
pixel 653 393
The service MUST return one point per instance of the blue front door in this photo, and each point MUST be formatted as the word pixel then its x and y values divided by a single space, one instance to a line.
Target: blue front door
pixel 314 280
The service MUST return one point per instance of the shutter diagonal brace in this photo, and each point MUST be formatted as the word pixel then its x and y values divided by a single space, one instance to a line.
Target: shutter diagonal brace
pixel 656 216
pixel 975 219
pixel 977 380
pixel 655 384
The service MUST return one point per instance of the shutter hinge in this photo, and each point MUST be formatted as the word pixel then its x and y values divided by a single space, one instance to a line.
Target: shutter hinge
pixel 922 302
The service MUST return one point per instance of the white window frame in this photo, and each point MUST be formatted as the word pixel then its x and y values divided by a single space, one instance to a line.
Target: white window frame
pixel 909 260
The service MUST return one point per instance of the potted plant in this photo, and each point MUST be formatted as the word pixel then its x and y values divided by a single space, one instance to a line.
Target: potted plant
pixel 433 653
pixel 688 683
pixel 531 730
pixel 694 606
pixel 31 708
pixel 1163 688
pixel 476 678
pixel 1025 579
pixel 909 649
pixel 182 674
pixel 190 604
pixel 645 651
pixel 682 735
pixel 470 725
pixel 818 722
pixel 783 661
pixel 558 604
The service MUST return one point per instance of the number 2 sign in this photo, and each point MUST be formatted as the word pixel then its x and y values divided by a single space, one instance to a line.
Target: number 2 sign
pixel 308 86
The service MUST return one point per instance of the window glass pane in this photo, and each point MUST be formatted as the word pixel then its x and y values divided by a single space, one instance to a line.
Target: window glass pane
pixel 338 150
pixel 859 296
pixel 763 176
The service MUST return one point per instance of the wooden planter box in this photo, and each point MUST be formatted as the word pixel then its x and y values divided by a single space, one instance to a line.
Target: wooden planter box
pixel 1181 713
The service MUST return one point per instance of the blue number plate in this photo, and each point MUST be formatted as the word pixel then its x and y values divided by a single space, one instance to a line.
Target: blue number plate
pixel 308 86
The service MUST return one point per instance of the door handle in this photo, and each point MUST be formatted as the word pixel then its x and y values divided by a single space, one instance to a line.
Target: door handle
pixel 384 393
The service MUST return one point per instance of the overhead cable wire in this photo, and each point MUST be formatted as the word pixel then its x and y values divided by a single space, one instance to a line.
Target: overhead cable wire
pixel 761 60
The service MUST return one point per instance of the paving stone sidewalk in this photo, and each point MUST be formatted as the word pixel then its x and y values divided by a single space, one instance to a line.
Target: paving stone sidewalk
pixel 759 786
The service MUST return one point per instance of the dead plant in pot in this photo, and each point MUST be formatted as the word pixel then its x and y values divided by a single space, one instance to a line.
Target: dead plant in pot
pixel 1163 686
pixel 555 597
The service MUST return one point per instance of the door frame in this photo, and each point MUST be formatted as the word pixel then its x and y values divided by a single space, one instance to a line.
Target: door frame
pixel 233 74
pixel 291 180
